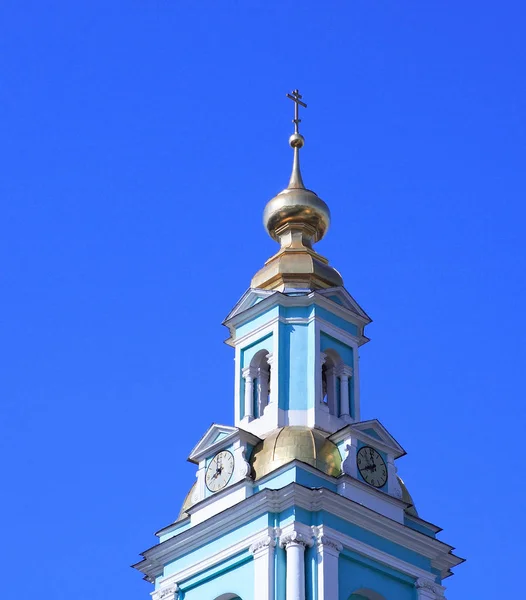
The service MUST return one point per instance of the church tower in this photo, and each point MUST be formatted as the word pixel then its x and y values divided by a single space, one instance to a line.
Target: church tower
pixel 300 499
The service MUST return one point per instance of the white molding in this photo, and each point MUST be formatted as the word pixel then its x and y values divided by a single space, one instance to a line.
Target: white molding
pixel 387 444
pixel 219 557
pixel 294 494
pixel 373 553
pixel 236 317
pixel 254 334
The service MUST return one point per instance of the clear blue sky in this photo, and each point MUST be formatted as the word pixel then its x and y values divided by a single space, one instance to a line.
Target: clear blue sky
pixel 140 143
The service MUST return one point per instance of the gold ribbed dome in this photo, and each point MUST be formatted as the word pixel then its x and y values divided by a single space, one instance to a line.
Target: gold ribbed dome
pixel 186 504
pixel 296 443
pixel 406 497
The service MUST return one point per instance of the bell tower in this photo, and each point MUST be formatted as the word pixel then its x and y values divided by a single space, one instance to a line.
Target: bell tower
pixel 300 499
pixel 296 331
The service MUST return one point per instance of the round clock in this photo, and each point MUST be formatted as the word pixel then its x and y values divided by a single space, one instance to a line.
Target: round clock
pixel 219 471
pixel 372 466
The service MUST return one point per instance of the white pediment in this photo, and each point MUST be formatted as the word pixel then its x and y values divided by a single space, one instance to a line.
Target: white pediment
pixel 220 436
pixel 249 299
pixel 216 435
pixel 341 296
pixel 373 431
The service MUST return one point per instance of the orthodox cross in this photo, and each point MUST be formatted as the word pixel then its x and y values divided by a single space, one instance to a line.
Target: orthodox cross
pixel 296 98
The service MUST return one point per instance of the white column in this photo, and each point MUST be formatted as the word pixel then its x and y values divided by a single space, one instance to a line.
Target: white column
pixel 263 384
pixel 249 375
pixel 331 390
pixel 295 544
pixel 345 407
pixel 328 552
pixel 264 584
pixel 324 407
pixel 273 379
pixel 427 589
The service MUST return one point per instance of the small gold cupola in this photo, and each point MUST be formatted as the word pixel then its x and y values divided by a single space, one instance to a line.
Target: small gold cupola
pixel 296 218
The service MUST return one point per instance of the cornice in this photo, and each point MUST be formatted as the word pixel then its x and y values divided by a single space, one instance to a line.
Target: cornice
pixel 312 500
pixel 281 299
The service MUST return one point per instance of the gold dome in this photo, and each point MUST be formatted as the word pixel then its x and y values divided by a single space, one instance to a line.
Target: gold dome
pixel 406 497
pixel 186 504
pixel 296 443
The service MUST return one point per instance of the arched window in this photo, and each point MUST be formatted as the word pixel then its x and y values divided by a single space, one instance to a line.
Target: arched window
pixel 366 594
pixel 228 597
pixel 257 384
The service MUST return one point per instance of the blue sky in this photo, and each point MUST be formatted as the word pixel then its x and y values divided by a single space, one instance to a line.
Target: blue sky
pixel 140 143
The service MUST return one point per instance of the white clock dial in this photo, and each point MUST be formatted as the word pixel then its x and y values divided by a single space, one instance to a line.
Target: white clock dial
pixel 219 471
pixel 372 466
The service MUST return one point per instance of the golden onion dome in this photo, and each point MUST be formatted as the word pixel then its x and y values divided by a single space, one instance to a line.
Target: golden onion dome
pixel 296 218
pixel 406 497
pixel 296 443
pixel 296 205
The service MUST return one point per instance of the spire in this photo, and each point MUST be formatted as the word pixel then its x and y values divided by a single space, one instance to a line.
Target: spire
pixel 296 142
pixel 296 218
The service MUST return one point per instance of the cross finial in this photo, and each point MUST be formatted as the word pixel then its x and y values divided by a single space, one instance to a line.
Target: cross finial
pixel 296 97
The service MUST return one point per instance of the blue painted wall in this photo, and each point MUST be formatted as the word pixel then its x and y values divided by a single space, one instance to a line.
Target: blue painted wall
pixel 346 352
pixel 227 579
pixel 355 573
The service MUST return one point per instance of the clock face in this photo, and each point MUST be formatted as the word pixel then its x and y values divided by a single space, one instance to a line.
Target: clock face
pixel 219 471
pixel 372 466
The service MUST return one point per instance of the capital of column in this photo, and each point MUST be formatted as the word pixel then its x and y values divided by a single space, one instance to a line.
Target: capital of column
pixel 294 538
pixel 428 589
pixel 249 372
pixel 345 372
pixel 262 545
pixel 327 543
pixel 168 592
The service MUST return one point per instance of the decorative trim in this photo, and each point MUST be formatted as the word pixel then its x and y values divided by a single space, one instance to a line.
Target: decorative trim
pixel 215 559
pixel 167 592
pixel 323 541
pixel 430 586
pixel 294 538
pixel 266 542
pixel 373 553
pixel 294 494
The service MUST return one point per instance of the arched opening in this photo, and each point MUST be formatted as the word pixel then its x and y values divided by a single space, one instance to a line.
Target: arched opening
pixel 366 594
pixel 228 597
pixel 330 382
pixel 260 369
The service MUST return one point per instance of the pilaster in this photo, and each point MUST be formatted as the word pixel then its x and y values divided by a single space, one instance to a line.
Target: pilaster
pixel 328 551
pixel 264 578
pixel 427 589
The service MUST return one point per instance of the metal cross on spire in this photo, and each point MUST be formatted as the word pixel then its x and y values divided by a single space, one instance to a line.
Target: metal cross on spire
pixel 296 98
